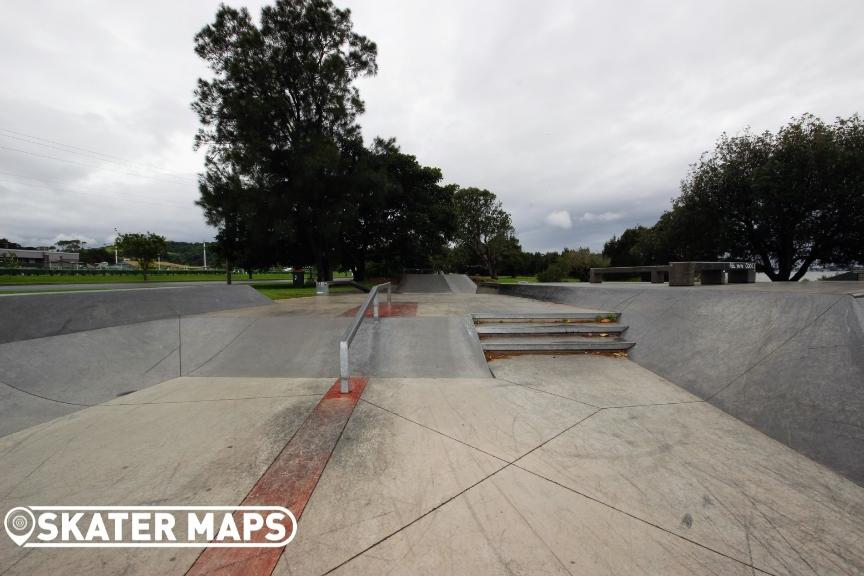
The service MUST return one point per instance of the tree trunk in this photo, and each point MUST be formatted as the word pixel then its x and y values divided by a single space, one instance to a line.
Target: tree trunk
pixel 227 271
pixel 324 272
pixel 766 265
pixel 804 267
pixel 360 270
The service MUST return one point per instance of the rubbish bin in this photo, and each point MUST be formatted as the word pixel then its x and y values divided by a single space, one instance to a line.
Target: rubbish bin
pixel 322 288
pixel 299 279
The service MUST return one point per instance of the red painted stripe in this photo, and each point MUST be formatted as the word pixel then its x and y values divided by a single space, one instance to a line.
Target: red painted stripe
pixel 388 311
pixel 289 481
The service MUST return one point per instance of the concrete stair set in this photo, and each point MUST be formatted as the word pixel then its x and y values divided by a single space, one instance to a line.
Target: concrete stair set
pixel 562 332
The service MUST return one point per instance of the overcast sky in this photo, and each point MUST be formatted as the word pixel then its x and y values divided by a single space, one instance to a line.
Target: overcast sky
pixel 581 116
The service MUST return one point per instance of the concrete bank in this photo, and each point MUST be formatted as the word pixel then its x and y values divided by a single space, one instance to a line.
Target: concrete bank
pixel 788 360
pixel 26 316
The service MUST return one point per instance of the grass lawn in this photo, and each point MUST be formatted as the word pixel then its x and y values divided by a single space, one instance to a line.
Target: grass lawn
pixel 283 292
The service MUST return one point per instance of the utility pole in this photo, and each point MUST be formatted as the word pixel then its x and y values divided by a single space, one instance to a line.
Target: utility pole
pixel 116 234
pixel 205 255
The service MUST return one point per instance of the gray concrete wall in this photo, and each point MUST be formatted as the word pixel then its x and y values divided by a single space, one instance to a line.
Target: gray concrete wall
pixel 26 316
pixel 790 363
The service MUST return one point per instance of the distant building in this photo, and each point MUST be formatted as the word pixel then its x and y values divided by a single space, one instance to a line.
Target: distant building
pixel 42 258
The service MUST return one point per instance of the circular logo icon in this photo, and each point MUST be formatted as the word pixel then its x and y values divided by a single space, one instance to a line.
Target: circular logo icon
pixel 19 523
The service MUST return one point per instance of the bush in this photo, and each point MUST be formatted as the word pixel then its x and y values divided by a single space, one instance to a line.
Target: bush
pixel 556 272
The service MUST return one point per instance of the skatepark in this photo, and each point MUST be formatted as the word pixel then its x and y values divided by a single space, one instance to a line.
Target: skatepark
pixel 622 428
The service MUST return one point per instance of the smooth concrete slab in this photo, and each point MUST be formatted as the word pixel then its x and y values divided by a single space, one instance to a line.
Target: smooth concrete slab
pixel 307 346
pixel 600 381
pixel 697 472
pixel 500 418
pixel 518 523
pixel 215 389
pixel 162 447
pixel 385 472
pixel 784 357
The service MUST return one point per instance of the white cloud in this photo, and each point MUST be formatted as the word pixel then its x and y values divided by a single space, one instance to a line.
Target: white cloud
pixel 604 217
pixel 559 219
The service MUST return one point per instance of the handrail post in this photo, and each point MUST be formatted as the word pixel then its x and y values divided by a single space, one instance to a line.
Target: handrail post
pixel 351 331
pixel 344 385
pixel 389 295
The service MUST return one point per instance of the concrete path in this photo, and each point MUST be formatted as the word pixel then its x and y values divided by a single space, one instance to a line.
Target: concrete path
pixel 581 464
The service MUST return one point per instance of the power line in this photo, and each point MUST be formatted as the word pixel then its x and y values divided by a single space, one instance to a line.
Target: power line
pixel 126 197
pixel 101 156
pixel 36 154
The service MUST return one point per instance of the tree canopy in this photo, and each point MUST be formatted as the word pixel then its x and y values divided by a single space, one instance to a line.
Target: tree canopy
pixel 145 248
pixel 785 200
pixel 278 121
pixel 483 228
pixel 287 176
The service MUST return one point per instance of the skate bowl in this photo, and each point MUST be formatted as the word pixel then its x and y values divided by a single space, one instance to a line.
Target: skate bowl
pixel 788 360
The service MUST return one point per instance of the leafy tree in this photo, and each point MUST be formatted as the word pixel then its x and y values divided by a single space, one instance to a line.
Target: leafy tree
pixel 483 227
pixel 9 260
pixel 278 121
pixel 580 261
pixel 145 248
pixel 95 255
pixel 4 243
pixel 632 248
pixel 786 199
pixel 401 216
pixel 573 264
pixel 70 245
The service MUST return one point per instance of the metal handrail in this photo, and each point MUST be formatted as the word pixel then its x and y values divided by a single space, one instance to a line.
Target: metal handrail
pixel 351 331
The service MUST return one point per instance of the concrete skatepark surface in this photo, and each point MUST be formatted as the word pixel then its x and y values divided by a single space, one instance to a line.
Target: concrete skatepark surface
pixel 580 464
pixel 786 358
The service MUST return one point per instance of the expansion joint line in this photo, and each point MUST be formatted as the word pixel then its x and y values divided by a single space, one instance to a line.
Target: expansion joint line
pixel 775 350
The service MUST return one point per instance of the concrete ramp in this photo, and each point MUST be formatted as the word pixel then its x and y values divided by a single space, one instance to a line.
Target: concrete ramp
pixel 62 352
pixel 26 316
pixel 437 284
pixel 424 284
pixel 460 284
pixel 789 361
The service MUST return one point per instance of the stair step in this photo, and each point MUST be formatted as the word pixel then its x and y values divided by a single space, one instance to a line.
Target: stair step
pixel 553 344
pixel 546 317
pixel 531 328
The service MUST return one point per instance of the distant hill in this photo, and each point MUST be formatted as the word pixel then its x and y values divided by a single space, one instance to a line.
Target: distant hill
pixel 188 254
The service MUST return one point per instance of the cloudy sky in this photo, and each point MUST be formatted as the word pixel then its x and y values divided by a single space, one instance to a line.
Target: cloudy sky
pixel 582 116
